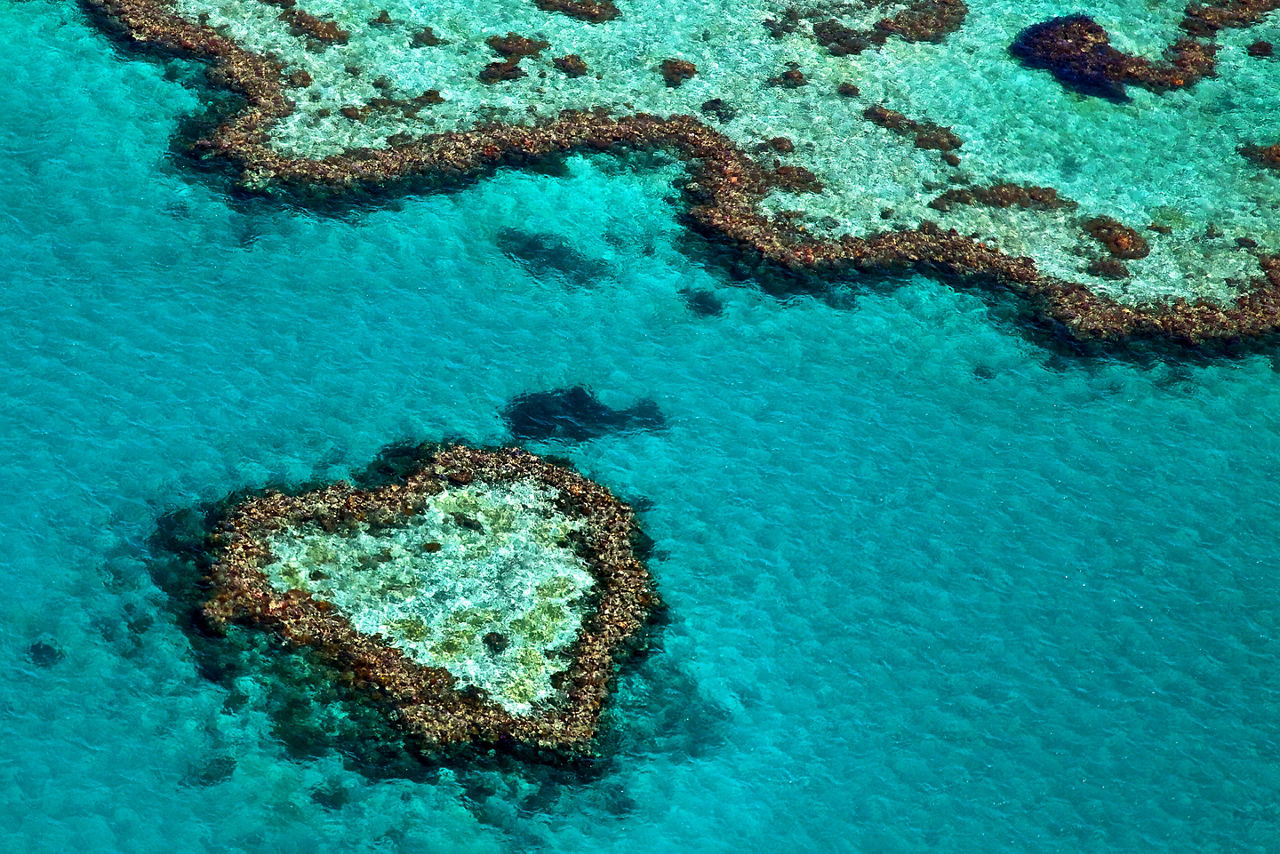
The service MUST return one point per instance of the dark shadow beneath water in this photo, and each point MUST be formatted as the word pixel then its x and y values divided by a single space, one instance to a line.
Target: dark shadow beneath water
pixel 703 303
pixel 543 253
pixel 575 415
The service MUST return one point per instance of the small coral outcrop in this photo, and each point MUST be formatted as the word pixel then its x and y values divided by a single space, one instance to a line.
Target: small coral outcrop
pixel 480 599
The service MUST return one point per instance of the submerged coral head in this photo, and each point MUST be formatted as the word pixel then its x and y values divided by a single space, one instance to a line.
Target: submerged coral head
pixel 1077 51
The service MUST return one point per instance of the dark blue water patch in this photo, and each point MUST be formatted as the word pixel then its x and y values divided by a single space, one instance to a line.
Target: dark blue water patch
pixel 45 653
pixel 543 253
pixel 702 302
pixel 575 415
pixel 210 770
pixel 332 795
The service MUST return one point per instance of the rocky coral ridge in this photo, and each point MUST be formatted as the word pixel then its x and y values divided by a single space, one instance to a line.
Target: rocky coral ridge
pixel 482 600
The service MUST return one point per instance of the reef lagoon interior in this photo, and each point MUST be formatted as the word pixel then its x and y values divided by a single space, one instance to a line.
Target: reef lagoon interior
pixel 934 581
pixel 480 559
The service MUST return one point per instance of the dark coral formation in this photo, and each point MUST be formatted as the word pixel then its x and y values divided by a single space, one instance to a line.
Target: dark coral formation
pixel 920 21
pixel 797 179
pixel 792 78
pixel 1107 268
pixel 1120 240
pixel 1003 196
pixel 304 24
pixel 423 702
pixel 720 110
pixel 512 48
pixel 506 69
pixel 593 11
pixel 925 20
pixel 515 46
pixel 426 37
pixel 575 414
pixel 1206 20
pixel 1263 155
pixel 924 134
pixel 571 64
pixel 723 193
pixel 408 107
pixel 676 71
pixel 1077 51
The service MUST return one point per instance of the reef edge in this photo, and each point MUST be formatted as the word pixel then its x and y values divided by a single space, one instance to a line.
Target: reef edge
pixel 423 702
pixel 722 193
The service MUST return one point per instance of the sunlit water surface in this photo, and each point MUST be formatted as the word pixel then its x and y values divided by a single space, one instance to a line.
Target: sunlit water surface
pixel 931 586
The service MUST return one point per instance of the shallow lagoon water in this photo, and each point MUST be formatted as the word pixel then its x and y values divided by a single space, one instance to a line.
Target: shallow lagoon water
pixel 931 585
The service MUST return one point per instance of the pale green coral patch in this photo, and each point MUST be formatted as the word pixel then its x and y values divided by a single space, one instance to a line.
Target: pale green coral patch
pixel 483 582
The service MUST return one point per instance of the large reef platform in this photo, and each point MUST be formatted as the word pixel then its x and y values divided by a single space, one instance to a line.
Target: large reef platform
pixel 346 98
pixel 480 598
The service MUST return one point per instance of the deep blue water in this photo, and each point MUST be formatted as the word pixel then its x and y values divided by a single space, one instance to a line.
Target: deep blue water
pixel 932 587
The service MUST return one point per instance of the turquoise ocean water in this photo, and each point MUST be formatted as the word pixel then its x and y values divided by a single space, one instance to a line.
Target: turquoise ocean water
pixel 932 586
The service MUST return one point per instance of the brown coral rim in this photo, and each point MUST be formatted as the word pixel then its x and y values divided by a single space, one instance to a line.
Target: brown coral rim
pixel 422 701
pixel 724 188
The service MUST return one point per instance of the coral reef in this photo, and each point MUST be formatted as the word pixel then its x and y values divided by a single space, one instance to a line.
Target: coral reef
pixel 303 23
pixel 1207 19
pixel 512 48
pixel 1119 239
pixel 919 21
pixel 726 187
pixel 571 64
pixel 924 134
pixel 482 598
pixel 792 78
pixel 1078 52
